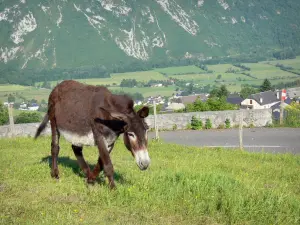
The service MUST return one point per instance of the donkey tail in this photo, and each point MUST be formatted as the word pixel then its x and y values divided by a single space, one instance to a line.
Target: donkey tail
pixel 42 126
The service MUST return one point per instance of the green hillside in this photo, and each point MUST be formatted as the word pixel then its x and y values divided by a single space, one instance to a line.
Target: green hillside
pixel 65 34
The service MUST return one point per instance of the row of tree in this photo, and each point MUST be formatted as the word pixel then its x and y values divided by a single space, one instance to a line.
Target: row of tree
pixel 9 74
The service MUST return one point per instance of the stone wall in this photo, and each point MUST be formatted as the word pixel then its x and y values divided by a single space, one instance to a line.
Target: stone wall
pixel 23 130
pixel 257 118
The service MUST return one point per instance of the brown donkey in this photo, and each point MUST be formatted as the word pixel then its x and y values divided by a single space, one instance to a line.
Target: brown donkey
pixel 91 115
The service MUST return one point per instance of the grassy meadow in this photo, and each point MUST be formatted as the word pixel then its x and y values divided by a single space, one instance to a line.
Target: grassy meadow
pixel 295 63
pixel 233 81
pixel 116 78
pixel 28 92
pixel 184 185
pixel 179 69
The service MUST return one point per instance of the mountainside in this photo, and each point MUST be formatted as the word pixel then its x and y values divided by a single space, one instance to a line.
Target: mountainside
pixel 66 34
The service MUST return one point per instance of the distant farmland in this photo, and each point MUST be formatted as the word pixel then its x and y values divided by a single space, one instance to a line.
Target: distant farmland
pixel 220 74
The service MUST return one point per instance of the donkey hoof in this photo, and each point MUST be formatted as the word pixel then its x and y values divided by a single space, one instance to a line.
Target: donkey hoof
pixel 54 175
pixel 90 181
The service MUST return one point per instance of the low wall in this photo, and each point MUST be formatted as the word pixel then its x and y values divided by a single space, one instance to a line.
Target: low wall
pixel 257 118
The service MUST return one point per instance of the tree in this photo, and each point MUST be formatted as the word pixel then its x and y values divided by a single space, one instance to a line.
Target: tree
pixel 246 91
pixel 33 101
pixel 219 92
pixel 3 114
pixel 11 98
pixel 46 84
pixel 223 91
pixel 266 86
pixel 128 83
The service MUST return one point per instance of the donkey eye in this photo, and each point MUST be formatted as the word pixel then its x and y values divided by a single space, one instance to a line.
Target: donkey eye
pixel 131 134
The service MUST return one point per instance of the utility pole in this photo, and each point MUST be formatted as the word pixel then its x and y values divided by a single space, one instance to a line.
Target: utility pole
pixel 11 119
pixel 283 96
pixel 155 120
pixel 241 130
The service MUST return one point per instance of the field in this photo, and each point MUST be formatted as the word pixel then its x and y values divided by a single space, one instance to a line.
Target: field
pixel 148 91
pixel 233 81
pixel 295 63
pixel 184 185
pixel 116 78
pixel 180 69
pixel 26 91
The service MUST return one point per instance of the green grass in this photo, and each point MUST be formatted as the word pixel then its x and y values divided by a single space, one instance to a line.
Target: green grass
pixel 11 87
pixel 142 76
pixel 180 69
pixel 262 71
pixel 28 92
pixel 221 68
pixel 148 91
pixel 295 63
pixel 184 185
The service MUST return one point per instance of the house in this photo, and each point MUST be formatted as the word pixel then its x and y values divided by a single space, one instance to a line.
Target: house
pixel 158 100
pixel 293 93
pixel 33 107
pixel 157 85
pixel 262 100
pixel 23 106
pixel 276 108
pixel 8 103
pixel 234 99
pixel 138 102
pixel 190 98
pixel 171 107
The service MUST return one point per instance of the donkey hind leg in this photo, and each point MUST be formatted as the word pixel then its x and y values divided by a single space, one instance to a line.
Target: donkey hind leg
pixel 54 150
pixel 82 163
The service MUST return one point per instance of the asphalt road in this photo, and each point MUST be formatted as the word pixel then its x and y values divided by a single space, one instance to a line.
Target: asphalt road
pixel 272 140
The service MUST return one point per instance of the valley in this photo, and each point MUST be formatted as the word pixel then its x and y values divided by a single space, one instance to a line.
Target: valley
pixel 228 74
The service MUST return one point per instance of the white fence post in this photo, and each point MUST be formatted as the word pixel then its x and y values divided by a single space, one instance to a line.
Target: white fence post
pixel 241 130
pixel 11 120
pixel 155 120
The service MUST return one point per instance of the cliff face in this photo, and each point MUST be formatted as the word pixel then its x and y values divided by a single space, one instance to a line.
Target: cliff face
pixel 65 33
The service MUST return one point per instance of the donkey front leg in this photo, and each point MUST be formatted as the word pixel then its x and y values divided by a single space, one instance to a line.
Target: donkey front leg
pixel 99 166
pixel 104 162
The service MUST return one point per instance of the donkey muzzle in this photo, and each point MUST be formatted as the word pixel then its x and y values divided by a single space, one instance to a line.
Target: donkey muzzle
pixel 142 159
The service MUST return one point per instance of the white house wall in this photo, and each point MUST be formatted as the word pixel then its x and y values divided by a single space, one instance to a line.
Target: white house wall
pixel 256 105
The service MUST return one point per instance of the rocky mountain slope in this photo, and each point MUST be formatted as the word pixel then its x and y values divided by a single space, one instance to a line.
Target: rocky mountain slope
pixel 76 33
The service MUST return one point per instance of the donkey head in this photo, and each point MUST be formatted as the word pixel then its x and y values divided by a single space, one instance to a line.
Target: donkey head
pixel 135 135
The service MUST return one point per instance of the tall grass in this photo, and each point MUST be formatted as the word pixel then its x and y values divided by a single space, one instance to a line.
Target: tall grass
pixel 184 185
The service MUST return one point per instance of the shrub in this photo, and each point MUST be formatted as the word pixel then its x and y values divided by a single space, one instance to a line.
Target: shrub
pixel 227 123
pixel 271 125
pixel 196 124
pixel 174 127
pixel 292 115
pixel 221 126
pixel 189 126
pixel 208 124
pixel 3 114
pixel 28 117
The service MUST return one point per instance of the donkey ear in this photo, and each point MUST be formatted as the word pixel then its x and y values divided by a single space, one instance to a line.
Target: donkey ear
pixel 143 112
pixel 115 114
